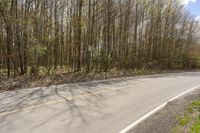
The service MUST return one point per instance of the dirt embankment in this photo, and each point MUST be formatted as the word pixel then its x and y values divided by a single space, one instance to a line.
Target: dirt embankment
pixel 38 81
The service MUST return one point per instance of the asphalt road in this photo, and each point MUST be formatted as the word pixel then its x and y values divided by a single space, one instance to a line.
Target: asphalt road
pixel 96 107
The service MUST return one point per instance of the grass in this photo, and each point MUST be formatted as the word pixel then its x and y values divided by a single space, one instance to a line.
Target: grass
pixel 190 121
pixel 184 119
pixel 196 126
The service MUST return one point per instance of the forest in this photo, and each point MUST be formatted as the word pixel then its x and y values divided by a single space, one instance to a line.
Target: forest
pixel 96 36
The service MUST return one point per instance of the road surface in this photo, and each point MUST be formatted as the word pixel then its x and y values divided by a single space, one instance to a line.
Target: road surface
pixel 97 107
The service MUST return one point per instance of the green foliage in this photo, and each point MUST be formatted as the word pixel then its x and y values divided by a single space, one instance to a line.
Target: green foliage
pixel 190 120
pixel 196 127
pixel 37 48
pixel 184 120
pixel 190 109
pixel 40 49
pixel 196 105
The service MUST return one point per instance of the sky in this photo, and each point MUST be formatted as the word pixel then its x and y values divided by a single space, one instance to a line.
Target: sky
pixel 193 6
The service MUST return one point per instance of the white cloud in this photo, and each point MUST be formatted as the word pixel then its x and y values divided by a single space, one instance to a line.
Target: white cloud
pixel 186 2
pixel 198 18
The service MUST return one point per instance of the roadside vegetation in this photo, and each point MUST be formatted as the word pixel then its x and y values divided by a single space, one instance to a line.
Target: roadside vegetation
pixel 190 121
pixel 59 77
pixel 56 38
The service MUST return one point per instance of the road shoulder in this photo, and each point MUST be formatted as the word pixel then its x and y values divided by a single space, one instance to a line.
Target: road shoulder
pixel 166 119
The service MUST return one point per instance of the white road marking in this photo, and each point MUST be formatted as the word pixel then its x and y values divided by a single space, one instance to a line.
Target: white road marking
pixel 141 119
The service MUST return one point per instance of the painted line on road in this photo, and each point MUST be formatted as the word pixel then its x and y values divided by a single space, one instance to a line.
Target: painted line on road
pixel 141 119
pixel 106 90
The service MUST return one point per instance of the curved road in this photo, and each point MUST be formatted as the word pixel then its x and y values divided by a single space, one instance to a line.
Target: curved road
pixel 97 107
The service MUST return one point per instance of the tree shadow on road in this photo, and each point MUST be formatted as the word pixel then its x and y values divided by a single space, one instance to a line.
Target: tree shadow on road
pixel 71 108
pixel 76 108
